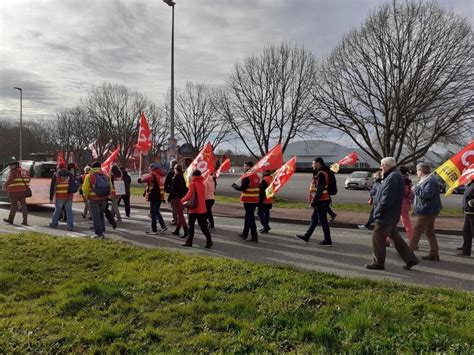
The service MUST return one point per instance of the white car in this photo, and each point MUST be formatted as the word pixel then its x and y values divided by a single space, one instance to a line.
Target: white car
pixel 359 180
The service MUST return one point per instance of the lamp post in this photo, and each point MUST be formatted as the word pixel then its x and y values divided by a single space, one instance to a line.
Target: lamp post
pixel 172 3
pixel 21 119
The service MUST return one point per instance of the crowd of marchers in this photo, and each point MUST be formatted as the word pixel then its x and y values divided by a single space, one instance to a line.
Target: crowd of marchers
pixel 392 197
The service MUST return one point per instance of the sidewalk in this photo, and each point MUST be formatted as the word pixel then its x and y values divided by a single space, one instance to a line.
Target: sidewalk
pixel 345 219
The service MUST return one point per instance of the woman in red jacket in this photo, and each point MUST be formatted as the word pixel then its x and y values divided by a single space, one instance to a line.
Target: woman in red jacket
pixel 199 211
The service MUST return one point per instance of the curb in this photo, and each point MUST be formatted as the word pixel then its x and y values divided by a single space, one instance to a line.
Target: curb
pixel 306 222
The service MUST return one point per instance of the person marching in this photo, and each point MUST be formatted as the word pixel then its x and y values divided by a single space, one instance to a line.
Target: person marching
pixel 168 182
pixel 408 197
pixel 178 190
pixel 126 198
pixel 198 211
pixel 265 203
pixel 81 181
pixel 468 228
pixel 320 202
pixel 249 189
pixel 96 189
pixel 155 194
pixel 210 184
pixel 17 185
pixel 115 175
pixel 373 192
pixel 59 191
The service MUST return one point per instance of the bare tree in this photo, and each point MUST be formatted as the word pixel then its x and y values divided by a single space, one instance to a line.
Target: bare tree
pixel 116 110
pixel 268 98
pixel 160 129
pixel 197 120
pixel 400 83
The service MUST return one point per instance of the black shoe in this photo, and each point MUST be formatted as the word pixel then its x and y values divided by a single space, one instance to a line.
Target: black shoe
pixel 410 264
pixel 186 244
pixel 252 240
pixel 333 217
pixel 264 231
pixel 326 244
pixel 302 237
pixel 374 266
pixel 460 248
pixel 176 232
pixel 7 221
pixel 261 230
pixel 209 245
pixel 24 223
pixel 431 257
pixel 173 222
pixel 242 235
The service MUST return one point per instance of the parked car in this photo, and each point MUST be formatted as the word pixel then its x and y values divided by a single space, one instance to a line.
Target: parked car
pixel 359 180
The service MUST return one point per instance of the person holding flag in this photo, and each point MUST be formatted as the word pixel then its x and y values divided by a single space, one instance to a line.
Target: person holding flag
pixel 264 202
pixel 249 196
pixel 467 178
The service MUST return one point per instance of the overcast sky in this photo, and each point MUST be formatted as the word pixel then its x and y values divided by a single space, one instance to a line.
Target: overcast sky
pixel 58 50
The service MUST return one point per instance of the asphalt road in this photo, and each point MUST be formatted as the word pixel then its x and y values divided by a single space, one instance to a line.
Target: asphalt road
pixel 297 190
pixel 350 251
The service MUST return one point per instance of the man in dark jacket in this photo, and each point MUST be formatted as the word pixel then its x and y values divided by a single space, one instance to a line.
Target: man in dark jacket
pixel 168 182
pixel 126 198
pixel 265 203
pixel 386 216
pixel 468 229
pixel 426 207
pixel 320 201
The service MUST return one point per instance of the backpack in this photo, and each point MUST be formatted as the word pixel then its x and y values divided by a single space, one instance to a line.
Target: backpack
pixel 74 185
pixel 332 183
pixel 100 184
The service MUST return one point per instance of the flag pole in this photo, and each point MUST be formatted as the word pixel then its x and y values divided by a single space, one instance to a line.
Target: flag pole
pixel 140 165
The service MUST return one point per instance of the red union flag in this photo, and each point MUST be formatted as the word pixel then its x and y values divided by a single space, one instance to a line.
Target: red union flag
pixel 349 159
pixel 110 160
pixel 281 177
pixel 205 162
pixel 451 169
pixel 271 161
pixel 224 167
pixel 144 134
pixel 466 177
pixel 60 158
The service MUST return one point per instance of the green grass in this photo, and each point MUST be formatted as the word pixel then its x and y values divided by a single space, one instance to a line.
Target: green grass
pixel 62 295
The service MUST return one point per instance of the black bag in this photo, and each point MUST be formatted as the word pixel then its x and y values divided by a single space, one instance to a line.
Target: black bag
pixel 28 192
pixel 332 183
pixel 193 201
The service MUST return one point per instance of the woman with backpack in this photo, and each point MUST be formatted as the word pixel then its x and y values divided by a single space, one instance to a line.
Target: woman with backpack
pixel 195 198
pixel 155 194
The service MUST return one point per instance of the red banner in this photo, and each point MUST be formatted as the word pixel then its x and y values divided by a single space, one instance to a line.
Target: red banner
pixel 349 159
pixel 205 162
pixel 144 134
pixel 224 167
pixel 451 169
pixel 60 158
pixel 271 161
pixel 466 177
pixel 281 177
pixel 110 160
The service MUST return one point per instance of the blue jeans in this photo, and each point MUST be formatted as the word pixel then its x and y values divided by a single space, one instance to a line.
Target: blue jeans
pixel 97 209
pixel 58 207
pixel 320 214
pixel 155 214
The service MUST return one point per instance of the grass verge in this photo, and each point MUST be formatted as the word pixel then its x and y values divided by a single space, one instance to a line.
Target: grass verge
pixel 61 295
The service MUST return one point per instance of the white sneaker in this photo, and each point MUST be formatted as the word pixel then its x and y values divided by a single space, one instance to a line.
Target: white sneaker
pixel 151 232
pixel 362 227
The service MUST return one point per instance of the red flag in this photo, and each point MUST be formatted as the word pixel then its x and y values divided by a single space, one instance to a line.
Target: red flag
pixel 466 177
pixel 224 167
pixel 281 177
pixel 451 169
pixel 144 134
pixel 108 163
pixel 60 158
pixel 349 159
pixel 271 161
pixel 204 162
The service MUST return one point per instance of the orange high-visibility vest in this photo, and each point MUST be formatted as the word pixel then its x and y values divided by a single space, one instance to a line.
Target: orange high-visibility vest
pixel 251 195
pixel 269 180
pixel 325 195
pixel 62 185
pixel 20 182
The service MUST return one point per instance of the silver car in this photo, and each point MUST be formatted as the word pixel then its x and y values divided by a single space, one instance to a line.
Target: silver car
pixel 359 180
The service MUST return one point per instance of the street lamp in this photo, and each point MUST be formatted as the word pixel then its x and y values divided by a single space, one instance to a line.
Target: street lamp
pixel 21 118
pixel 172 3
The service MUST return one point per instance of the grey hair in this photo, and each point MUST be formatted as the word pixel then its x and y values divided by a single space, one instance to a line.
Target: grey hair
pixel 389 161
pixel 424 168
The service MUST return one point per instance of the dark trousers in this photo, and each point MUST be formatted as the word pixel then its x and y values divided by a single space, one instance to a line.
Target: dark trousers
pixel 320 214
pixel 331 212
pixel 250 220
pixel 467 233
pixel 264 215
pixel 202 221
pixel 155 214
pixel 16 197
pixel 126 203
pixel 97 210
pixel 381 231
pixel 210 217
pixel 109 216
pixel 371 217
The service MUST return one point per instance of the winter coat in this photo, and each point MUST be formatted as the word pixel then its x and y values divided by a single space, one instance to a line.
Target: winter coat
pixel 197 184
pixel 210 187
pixel 468 199
pixel 427 200
pixel 389 198
pixel 178 188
